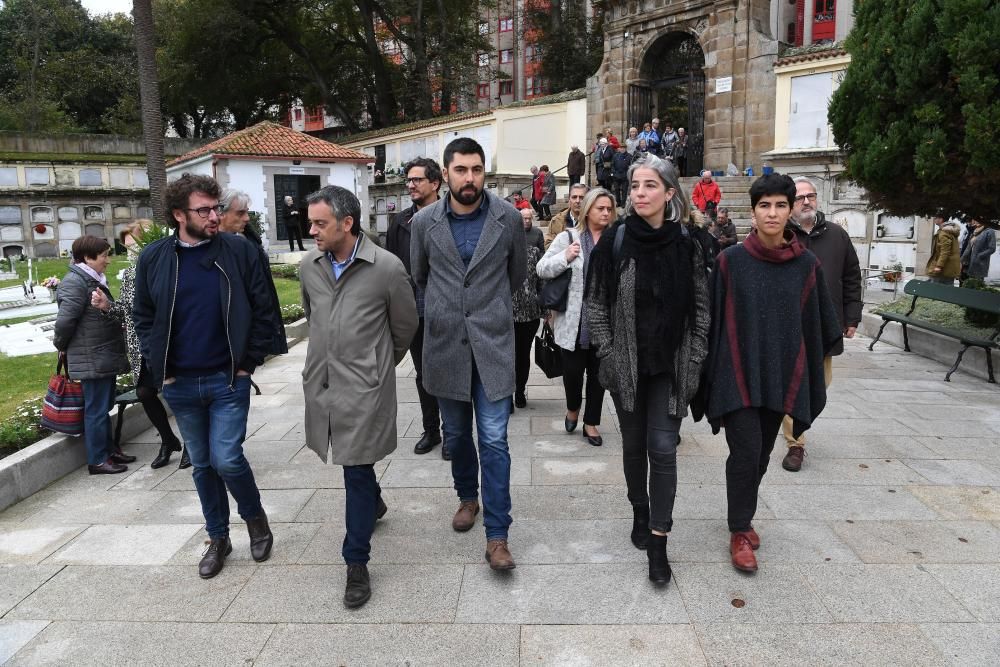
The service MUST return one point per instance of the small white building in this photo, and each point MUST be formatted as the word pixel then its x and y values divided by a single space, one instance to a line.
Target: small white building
pixel 269 161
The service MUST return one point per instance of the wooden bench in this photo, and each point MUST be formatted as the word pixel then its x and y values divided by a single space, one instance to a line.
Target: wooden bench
pixel 969 298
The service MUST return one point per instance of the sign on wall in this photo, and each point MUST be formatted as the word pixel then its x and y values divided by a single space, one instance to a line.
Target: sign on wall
pixel 723 84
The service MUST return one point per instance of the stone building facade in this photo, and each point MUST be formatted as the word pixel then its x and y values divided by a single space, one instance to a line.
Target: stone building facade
pixel 703 65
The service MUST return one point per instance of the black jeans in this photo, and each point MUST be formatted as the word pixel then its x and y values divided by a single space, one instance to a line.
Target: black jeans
pixel 621 191
pixel 575 364
pixel 750 434
pixel 573 180
pixel 361 492
pixel 428 404
pixel 294 233
pixel 650 434
pixel 524 336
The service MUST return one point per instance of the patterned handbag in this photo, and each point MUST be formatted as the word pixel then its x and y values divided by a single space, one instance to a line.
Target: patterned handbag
pixel 62 410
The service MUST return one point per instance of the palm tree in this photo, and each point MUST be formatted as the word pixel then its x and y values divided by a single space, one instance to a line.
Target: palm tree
pixel 149 94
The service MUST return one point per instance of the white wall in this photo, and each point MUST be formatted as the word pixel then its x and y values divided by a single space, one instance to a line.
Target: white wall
pixel 201 166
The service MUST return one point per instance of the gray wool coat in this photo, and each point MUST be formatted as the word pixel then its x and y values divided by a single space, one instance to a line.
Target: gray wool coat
pixel 468 314
pixel 94 343
pixel 360 327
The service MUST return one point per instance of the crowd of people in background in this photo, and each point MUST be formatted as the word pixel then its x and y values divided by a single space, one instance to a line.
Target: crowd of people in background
pixel 664 307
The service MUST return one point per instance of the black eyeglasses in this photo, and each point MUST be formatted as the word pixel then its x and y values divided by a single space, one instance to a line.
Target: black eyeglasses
pixel 415 180
pixel 204 211
pixel 810 197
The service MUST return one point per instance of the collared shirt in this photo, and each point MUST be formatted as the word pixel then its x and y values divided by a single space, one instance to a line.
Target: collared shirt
pixel 340 267
pixel 99 277
pixel 466 228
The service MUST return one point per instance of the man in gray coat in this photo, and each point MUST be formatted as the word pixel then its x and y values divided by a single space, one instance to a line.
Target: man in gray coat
pixel 362 316
pixel 468 252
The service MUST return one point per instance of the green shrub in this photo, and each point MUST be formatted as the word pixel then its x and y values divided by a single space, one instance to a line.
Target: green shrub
pixel 285 271
pixel 22 427
pixel 980 318
pixel 292 312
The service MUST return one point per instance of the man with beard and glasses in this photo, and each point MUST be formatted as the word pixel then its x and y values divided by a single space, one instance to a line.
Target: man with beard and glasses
pixel 833 247
pixel 204 316
pixel 469 254
pixel 423 180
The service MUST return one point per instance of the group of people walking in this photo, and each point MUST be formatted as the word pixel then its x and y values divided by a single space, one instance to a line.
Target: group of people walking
pixel 653 315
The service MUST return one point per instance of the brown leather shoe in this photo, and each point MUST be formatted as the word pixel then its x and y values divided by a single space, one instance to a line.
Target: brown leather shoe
pixel 465 517
pixel 754 538
pixel 742 552
pixel 793 459
pixel 498 555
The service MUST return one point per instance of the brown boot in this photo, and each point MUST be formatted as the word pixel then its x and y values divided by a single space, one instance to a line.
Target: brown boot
pixel 742 552
pixel 793 459
pixel 498 555
pixel 465 517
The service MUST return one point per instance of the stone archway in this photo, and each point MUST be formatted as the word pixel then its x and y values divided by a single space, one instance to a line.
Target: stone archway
pixel 671 87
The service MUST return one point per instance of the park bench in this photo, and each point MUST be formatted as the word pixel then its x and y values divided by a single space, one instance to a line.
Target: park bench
pixel 969 298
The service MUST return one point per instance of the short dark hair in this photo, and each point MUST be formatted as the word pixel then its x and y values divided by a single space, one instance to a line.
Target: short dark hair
pixel 772 184
pixel 465 146
pixel 544 167
pixel 342 202
pixel 432 172
pixel 178 193
pixel 88 247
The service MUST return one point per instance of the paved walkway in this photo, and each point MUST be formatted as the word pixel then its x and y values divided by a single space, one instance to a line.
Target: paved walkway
pixel 885 549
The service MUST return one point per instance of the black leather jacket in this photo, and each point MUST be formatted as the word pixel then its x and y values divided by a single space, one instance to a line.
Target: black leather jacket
pixel 248 308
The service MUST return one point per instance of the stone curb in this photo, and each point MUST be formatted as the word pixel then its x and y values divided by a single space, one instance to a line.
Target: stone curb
pixel 36 466
pixel 930 345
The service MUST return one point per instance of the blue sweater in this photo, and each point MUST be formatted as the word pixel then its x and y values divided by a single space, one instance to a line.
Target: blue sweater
pixel 466 228
pixel 198 344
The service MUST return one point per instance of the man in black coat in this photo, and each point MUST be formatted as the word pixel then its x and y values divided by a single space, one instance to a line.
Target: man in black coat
pixel 832 245
pixel 290 216
pixel 423 180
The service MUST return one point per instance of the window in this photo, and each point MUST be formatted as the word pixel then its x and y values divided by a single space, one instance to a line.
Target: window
pixel 807 126
pixel 506 24
pixel 532 53
pixel 506 55
pixel 484 60
pixel 298 114
pixel 534 85
pixel 506 87
pixel 484 28
pixel 484 90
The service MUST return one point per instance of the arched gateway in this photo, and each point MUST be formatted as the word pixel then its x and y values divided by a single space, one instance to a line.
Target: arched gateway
pixel 705 66
pixel 672 88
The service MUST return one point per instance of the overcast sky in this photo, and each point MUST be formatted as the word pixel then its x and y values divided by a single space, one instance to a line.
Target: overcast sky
pixel 106 6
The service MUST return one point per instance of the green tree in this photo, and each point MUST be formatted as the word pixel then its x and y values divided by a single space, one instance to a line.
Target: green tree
pixel 918 110
pixel 571 42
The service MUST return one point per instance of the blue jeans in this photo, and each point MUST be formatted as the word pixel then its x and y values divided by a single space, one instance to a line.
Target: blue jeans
pixel 98 399
pixel 491 427
pixel 362 493
pixel 212 417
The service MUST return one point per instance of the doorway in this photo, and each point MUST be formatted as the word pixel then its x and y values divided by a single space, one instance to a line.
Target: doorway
pixel 298 187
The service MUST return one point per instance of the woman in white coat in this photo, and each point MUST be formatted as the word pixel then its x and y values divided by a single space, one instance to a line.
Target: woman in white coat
pixel 570 251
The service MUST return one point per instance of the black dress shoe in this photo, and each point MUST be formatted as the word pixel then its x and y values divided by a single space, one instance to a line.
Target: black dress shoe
pixel 359 586
pixel 380 509
pixel 428 441
pixel 214 558
pixel 185 460
pixel 520 400
pixel 118 456
pixel 109 467
pixel 570 424
pixel 261 538
pixel 163 458
pixel 592 440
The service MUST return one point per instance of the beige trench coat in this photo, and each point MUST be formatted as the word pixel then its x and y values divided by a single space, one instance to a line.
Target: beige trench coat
pixel 360 327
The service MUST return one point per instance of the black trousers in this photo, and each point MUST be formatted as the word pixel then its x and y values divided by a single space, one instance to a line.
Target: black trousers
pixel 573 180
pixel 294 233
pixel 546 213
pixel 524 336
pixel 153 407
pixel 428 404
pixel 535 204
pixel 750 434
pixel 649 438
pixel 575 364
pixel 621 191
pixel 682 163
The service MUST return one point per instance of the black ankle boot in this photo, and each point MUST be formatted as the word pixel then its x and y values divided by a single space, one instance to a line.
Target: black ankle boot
pixel 659 566
pixel 163 458
pixel 640 526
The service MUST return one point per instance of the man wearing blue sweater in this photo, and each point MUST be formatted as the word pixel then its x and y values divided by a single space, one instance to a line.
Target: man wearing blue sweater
pixel 204 315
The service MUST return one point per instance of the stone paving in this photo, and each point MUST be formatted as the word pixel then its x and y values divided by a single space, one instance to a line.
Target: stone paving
pixel 885 549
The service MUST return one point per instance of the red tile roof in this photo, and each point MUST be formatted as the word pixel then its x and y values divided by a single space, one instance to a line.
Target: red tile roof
pixel 825 54
pixel 273 141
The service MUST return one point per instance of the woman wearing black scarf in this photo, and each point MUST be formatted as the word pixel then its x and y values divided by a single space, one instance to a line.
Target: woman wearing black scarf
pixel 649 318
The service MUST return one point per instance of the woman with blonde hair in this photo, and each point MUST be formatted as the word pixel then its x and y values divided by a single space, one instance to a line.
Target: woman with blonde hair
pixel 649 318
pixel 571 251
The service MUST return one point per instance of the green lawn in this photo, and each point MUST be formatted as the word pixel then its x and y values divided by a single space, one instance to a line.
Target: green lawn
pixel 58 266
pixel 289 291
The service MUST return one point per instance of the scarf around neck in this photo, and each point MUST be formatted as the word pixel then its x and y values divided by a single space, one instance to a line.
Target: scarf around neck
pixel 787 251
